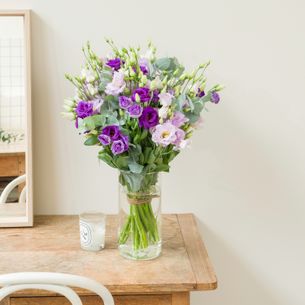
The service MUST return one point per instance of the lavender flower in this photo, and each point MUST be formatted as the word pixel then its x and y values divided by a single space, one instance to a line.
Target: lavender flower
pixel 143 93
pixel 115 63
pixel 165 134
pixel 125 102
pixel 112 131
pixel 117 85
pixel 144 67
pixel 179 119
pixel 104 139
pixel 149 118
pixel 125 140
pixel 135 111
pixel 84 109
pixel 119 146
pixel 180 135
pixel 155 97
pixel 215 98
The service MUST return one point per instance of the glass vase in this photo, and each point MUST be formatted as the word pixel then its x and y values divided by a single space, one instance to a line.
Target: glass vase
pixel 139 216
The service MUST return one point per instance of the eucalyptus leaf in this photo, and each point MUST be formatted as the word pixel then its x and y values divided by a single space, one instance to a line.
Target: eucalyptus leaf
pixel 92 140
pixel 180 100
pixel 162 168
pixel 88 123
pixel 135 167
pixel 163 63
pixel 122 162
pixel 106 158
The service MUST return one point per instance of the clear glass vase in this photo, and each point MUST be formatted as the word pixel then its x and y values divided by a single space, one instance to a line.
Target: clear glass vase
pixel 139 216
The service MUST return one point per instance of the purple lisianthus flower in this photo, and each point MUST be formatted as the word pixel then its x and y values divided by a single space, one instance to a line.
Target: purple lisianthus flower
pixel 143 94
pixel 155 97
pixel 200 93
pixel 179 119
pixel 118 147
pixel 112 131
pixel 84 109
pixel 135 111
pixel 115 63
pixel 215 98
pixel 125 140
pixel 125 102
pixel 104 139
pixel 144 67
pixel 149 118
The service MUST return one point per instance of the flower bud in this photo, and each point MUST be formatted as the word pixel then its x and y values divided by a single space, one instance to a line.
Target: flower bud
pixel 131 72
pixel 183 77
pixel 69 102
pixel 68 108
pixel 68 115
pixel 137 98
pixel 164 82
pixel 204 65
pixel 177 90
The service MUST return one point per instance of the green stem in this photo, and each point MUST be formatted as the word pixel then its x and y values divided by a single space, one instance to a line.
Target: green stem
pixel 141 226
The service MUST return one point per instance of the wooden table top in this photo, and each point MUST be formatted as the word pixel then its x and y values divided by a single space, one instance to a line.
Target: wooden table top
pixel 52 245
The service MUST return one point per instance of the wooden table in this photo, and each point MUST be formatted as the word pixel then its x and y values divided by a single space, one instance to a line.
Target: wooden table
pixel 53 245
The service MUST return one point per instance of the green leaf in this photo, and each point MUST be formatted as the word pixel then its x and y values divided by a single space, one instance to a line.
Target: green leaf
pixel 89 123
pixel 147 152
pixel 135 167
pixel 106 158
pixel 99 120
pixel 137 139
pixel 91 141
pixel 163 63
pixel 112 120
pixel 144 134
pixel 151 158
pixel 180 101
pixel 122 162
pixel 192 117
pixel 198 106
pixel 162 168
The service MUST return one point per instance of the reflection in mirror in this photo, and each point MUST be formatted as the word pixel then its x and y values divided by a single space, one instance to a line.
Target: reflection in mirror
pixel 14 199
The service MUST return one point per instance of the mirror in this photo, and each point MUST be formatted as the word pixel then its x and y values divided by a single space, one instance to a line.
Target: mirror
pixel 15 120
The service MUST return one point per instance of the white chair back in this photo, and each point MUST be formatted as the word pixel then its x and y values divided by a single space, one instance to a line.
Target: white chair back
pixel 56 282
pixel 5 193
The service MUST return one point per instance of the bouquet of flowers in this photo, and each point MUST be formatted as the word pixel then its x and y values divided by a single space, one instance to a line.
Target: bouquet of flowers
pixel 141 110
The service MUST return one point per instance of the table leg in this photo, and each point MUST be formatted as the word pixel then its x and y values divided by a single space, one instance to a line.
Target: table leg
pixel 181 298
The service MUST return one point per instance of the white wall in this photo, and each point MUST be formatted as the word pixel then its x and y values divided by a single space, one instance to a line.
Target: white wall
pixel 244 175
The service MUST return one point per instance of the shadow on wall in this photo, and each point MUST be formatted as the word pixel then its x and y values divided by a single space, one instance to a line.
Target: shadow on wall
pixel 236 284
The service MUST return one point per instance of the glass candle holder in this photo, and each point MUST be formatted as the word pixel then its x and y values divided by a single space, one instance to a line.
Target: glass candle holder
pixel 92 231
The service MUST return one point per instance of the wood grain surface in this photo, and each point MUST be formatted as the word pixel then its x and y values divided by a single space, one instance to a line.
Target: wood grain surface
pixel 53 245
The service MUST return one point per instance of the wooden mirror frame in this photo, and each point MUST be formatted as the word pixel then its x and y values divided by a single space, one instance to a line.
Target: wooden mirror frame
pixel 27 219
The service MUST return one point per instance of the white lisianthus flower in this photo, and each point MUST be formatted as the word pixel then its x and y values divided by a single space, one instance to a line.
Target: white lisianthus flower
pixel 117 85
pixel 164 134
pixel 163 112
pixel 183 144
pixel 97 103
pixel 165 98
pixel 156 83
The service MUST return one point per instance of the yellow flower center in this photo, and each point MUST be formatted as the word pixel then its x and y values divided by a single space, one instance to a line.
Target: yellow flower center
pixel 165 134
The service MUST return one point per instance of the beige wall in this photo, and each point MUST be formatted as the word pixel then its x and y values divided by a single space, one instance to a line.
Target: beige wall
pixel 244 175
